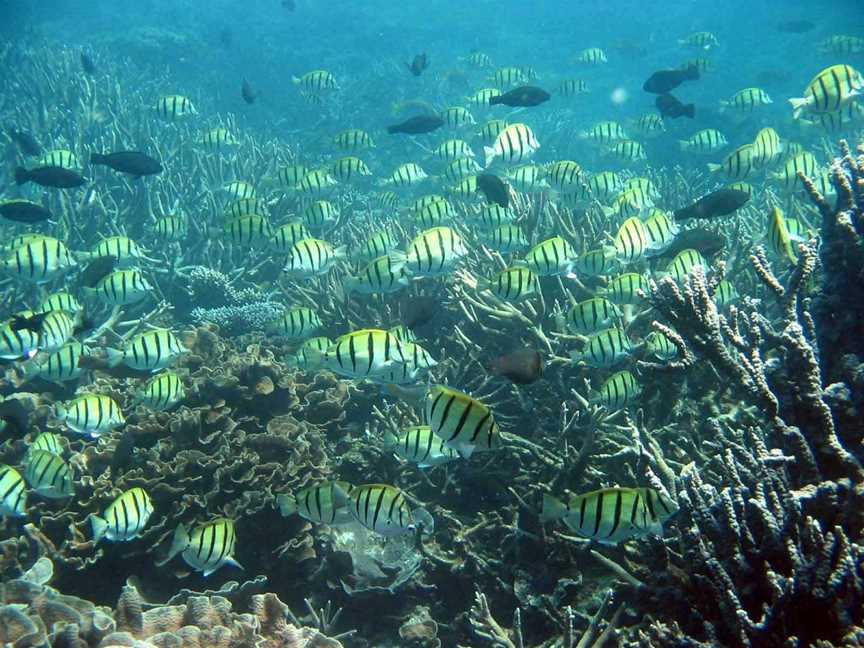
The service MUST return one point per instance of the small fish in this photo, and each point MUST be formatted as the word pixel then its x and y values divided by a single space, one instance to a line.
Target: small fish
pixel 522 367
pixel 612 515
pixel 353 139
pixel 93 414
pixel 466 424
pixel 120 288
pixel 383 275
pixel 125 518
pixel 50 176
pixel 323 503
pixel 682 264
pixel 23 211
pixel 309 354
pixel 554 256
pixel 208 547
pixel 605 132
pixel 417 125
pixel 17 344
pixel 494 189
pixel 419 445
pixel 363 353
pixel 665 81
pixel 625 288
pixel 617 391
pixel 738 164
pixel 49 442
pixel 713 205
pixel 39 259
pixel 605 348
pixel 61 366
pixel 704 141
pixel 381 508
pixel 134 163
pixel 174 107
pixel 434 252
pixel 670 107
pixel 591 56
pixel 87 64
pixel 523 96
pixel 829 91
pixel 420 63
pixel 13 493
pixel 592 315
pixel 151 351
pixel 660 346
pixel 48 475
pixel 514 144
pixel 316 82
pixel 26 143
pixel 248 93
pixel 162 392
pixel 747 100
pixel 297 322
pixel 312 257
pixel 702 40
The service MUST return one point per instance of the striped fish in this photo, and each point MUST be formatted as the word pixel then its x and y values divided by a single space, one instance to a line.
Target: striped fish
pixel 93 414
pixel 364 353
pixel 316 82
pixel 48 475
pixel 617 391
pixel 386 274
pixel 347 168
pixel 434 252
pixel 512 284
pixel 39 260
pixel 604 349
pixel 707 140
pixel 452 149
pixel 780 241
pixel 595 263
pixel 377 245
pixel 661 231
pixel 248 230
pixel 829 91
pixel 573 87
pixel 703 40
pixel 48 442
pixel 564 174
pixel 319 214
pixel 162 392
pixel 60 158
pixel 239 189
pixel 402 333
pixel 55 328
pixel 465 424
pixel 353 139
pixel 406 175
pixel 457 116
pixel 289 177
pixel 311 352
pixel 170 228
pixel 660 346
pixel 216 138
pixel 121 288
pixel 725 293
pixel 482 97
pixel 286 236
pixel 624 288
pixel 244 207
pixel 17 343
pixel 529 178
pixel 515 143
pixel 491 130
pixel 419 445
pixel 505 238
pixel 312 257
pixel 381 508
pixel 605 132
pixel 747 100
pixel 805 162
pixel 207 547
pixel 122 249
pixel 604 184
pixel 296 322
pixel 592 315
pixel 766 147
pixel 631 241
pixel 684 262
pixel 434 214
pixel 316 182
pixel 149 351
pixel 322 503
pixel 173 107
pixel 60 366
pixel 591 56
pixel 554 256
pixel 494 215
pixel 13 492
pixel 738 164
pixel 612 515
pixel 628 150
pixel 125 518
pixel 59 301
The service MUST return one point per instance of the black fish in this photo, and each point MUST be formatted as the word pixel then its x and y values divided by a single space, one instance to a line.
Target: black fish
pixel 523 366
pixel 50 176
pixel 96 270
pixel 494 188
pixel 28 144
pixel 420 63
pixel 670 107
pixel 795 26
pixel 665 80
pixel 717 203
pixel 23 211
pixel 707 242
pixel 417 125
pixel 418 310
pixel 87 64
pixel 248 92
pixel 131 162
pixel 523 96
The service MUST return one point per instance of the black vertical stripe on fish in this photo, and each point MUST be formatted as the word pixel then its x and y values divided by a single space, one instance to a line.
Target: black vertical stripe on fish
pixel 617 515
pixel 598 513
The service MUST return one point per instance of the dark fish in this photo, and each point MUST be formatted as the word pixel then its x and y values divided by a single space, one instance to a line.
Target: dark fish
pixel 523 366
pixel 795 26
pixel 523 96
pixel 87 64
pixel 670 107
pixel 23 211
pixel 665 80
pixel 706 241
pixel 95 270
pixel 717 203
pixel 131 162
pixel 248 92
pixel 417 125
pixel 494 188
pixel 418 310
pixel 50 176
pixel 28 144
pixel 30 323
pixel 420 63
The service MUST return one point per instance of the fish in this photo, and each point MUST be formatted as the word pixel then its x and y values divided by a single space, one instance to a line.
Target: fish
pixel 120 288
pixel 738 164
pixel 309 354
pixel 322 503
pixel 573 87
pixel 591 56
pixel 54 328
pixel 522 366
pixel 39 259
pixel 63 365
pixel 830 90
pixel 92 414
pixel 174 107
pixel 505 238
pixel 405 175
pixel 604 132
pixel 523 96
pixel 50 176
pixel 434 252
pixel 747 100
pixel 780 240
pixel 208 547
pixel 216 138
pixel 703 40
pixel 682 264
pixel 152 351
pixel 297 322
pixel 87 64
pixel 670 107
pixel 592 315
pixel 564 174
pixel 124 251
pixel 494 189
pixel 708 242
pixel 134 163
pixel 381 508
pixel 13 492
pixel 553 256
pixel 47 441
pixel 665 81
pixel 312 257
pixel 725 293
pixel 704 141
pixel 17 343
pixel 612 515
pixel 660 346
pixel 800 26
pixel 21 210
pixel 420 63
pixel 125 518
pixel 631 241
pixel 26 142
pixel 353 139
pixel 617 391
pixel 605 348
pixel 466 424
pixel 514 144
pixel 457 116
pixel 419 445
pixel 162 392
pixel 383 275
pixel 721 202
pixel 417 125
pixel 316 82
pixel 661 231
pixel 248 93
pixel 363 353
pixel 48 475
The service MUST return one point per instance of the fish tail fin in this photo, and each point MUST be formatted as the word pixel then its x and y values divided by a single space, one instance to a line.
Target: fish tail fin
pixel 97 158
pixel 683 145
pixel 553 508
pixel 489 153
pixel 295 80
pixel 389 439
pixel 179 542
pixel 714 168
pixel 287 504
pixel 22 175
pixel 798 104
pixel 100 526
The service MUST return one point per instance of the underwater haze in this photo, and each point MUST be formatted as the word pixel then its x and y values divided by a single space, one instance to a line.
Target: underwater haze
pixel 420 325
